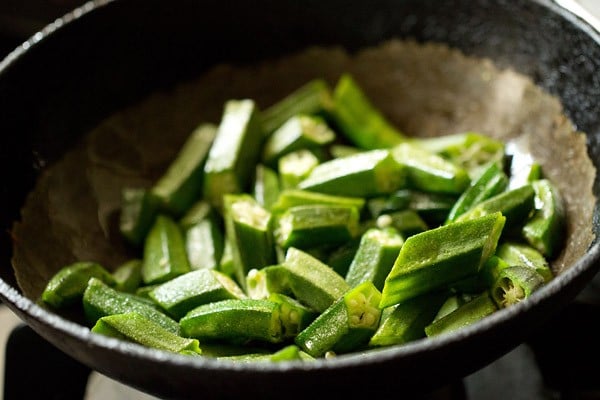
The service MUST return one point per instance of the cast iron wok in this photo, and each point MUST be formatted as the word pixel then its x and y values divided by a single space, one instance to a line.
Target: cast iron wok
pixel 108 54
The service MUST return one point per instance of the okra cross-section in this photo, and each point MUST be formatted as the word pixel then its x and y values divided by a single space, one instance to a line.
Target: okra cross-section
pixel 435 258
pixel 365 174
pixel 234 320
pixel 346 325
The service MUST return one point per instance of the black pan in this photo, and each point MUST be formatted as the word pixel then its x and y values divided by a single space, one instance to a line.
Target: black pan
pixel 109 54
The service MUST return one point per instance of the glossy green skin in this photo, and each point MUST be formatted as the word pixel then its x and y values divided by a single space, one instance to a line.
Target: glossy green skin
pixel 438 257
pixel 128 276
pixel 204 243
pixel 165 255
pixel 515 253
pixel 99 300
pixel 138 210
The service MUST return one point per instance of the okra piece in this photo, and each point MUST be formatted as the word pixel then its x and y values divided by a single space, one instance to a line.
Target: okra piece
pixel 203 235
pixel 294 315
pixel 100 300
pixel 234 153
pixel 429 172
pixel 181 184
pixel 470 150
pixel 491 269
pixel 308 226
pixel 248 230
pixel 545 229
pixel 136 328
pixel 296 197
pixel 405 322
pixel 294 167
pixel 359 120
pixel 227 263
pixel 407 222
pixel 467 314
pixel 450 304
pixel 313 98
pixel 187 291
pixel 288 353
pixel 311 281
pixel 165 255
pixel 524 169
pixel 515 253
pixel 300 132
pixel 261 283
pixel 266 187
pixel 366 174
pixel 340 258
pixel 516 205
pixel 234 320
pixel 138 210
pixel 491 182
pixel 433 208
pixel 514 284
pixel 66 287
pixel 433 259
pixel 128 276
pixel 375 257
pixel 337 150
pixel 346 325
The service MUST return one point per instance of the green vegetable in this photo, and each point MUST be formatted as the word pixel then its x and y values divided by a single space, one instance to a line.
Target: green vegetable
pixel 260 283
pixel 187 291
pixel 234 152
pixel 433 208
pixel 138 210
pixel 515 284
pixel 407 222
pixel 374 257
pixel 295 197
pixel 165 255
pixel 346 325
pixel 359 120
pixel 181 184
pixel 203 235
pixel 366 174
pixel 438 257
pixel 295 166
pixel 266 186
pixel 515 253
pixel 67 286
pixel 128 276
pixel 234 320
pixel 136 328
pixel 294 315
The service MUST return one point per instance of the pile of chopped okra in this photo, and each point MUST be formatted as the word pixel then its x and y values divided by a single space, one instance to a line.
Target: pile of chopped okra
pixel 315 227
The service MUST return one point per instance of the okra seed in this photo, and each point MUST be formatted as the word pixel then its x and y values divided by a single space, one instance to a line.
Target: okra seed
pixel 368 319
pixel 294 317
pixel 384 221
pixel 354 320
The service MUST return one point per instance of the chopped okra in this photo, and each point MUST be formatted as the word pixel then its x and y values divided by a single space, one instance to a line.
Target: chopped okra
pixel 314 228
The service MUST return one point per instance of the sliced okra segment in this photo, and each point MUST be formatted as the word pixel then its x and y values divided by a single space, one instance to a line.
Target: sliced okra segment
pixel 249 232
pixel 346 325
pixel 165 256
pixel 128 276
pixel 234 320
pixel 181 184
pixel 199 211
pixel 143 292
pixel 466 314
pixel 406 322
pixel 515 253
pixel 301 131
pixel 261 283
pixel 491 182
pixel 138 210
pixel 296 197
pixel 227 263
pixel 311 281
pixel 375 257
pixel 340 258
pixel 514 284
pixel 187 291
pixel 545 229
pixel 337 150
pixel 294 167
pixel 294 315
pixel 407 222
pixel 100 300
pixel 287 353
pixel 234 153
pixel 311 225
pixel 429 172
pixel 491 269
pixel 524 169
pixel 365 174
pixel 450 304
pixel 516 205
pixel 471 150
pixel 139 329
pixel 266 187
pixel 357 117
pixel 204 242
pixel 66 287
pixel 433 208
pixel 313 98
pixel 433 259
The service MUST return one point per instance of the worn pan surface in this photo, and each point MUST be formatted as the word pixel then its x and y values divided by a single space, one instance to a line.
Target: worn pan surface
pixel 110 54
